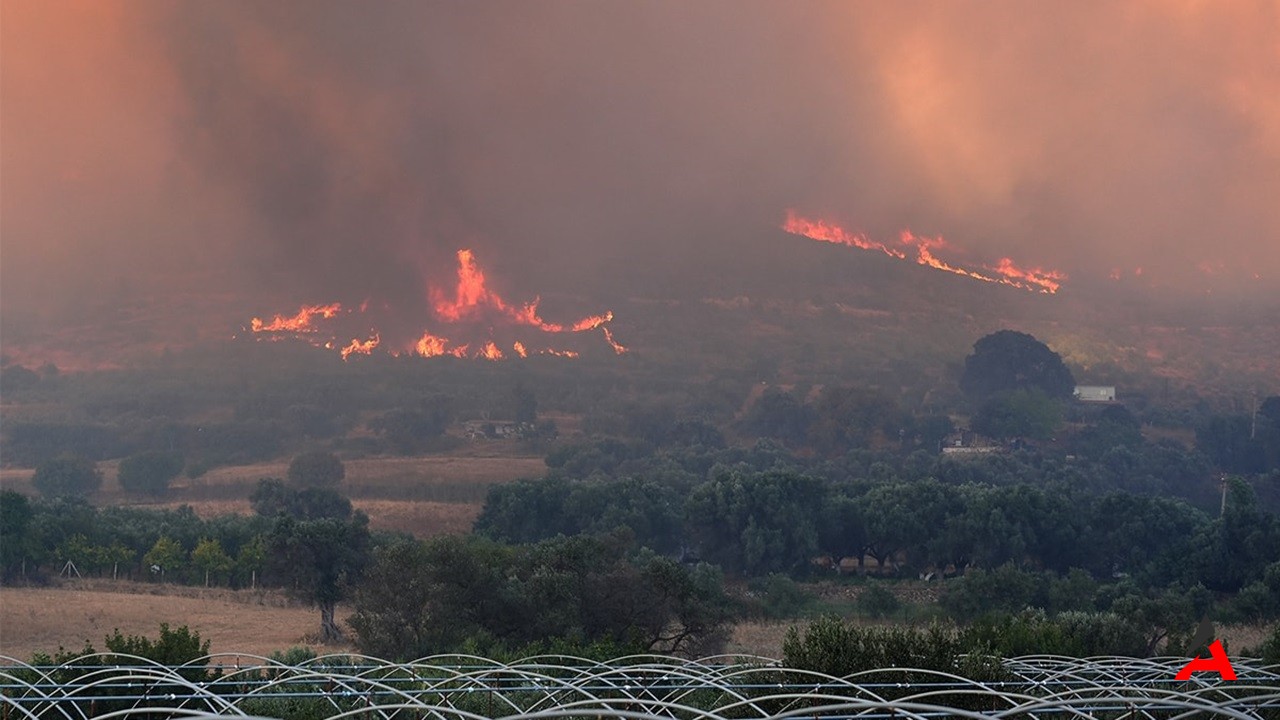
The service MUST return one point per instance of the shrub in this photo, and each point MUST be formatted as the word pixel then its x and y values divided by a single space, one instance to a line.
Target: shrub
pixel 317 469
pixel 834 647
pixel 878 601
pixel 1073 634
pixel 780 596
pixel 150 472
pixel 1269 650
pixel 67 475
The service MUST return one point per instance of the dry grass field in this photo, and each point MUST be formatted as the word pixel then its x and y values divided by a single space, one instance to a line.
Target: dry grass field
pixel 42 619
pixel 425 496
pixel 258 622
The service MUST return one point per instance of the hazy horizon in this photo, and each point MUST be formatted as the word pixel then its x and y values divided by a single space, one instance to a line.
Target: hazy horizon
pixel 260 156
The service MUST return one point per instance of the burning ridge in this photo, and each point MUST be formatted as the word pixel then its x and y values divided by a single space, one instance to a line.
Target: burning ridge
pixel 470 303
pixel 921 249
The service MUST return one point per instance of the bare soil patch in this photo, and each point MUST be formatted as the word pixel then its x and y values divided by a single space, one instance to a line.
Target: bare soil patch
pixel 42 619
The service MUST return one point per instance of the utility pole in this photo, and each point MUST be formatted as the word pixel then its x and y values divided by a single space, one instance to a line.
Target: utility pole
pixel 1253 421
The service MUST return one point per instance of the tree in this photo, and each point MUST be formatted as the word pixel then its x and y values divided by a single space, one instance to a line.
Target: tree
pixel 166 554
pixel 174 648
pixel 425 598
pixel 272 497
pixel 1226 440
pixel 67 475
pixel 1019 414
pixel 316 469
pixel 757 523
pixel 211 558
pixel 845 417
pixel 1008 360
pixel 842 530
pixel 778 414
pixel 149 472
pixel 407 429
pixel 251 559
pixel 16 515
pixel 319 560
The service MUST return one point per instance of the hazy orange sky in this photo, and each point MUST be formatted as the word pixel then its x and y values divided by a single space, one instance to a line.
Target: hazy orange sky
pixel 349 149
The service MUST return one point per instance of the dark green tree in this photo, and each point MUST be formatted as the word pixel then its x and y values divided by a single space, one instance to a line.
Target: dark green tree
pixel 149 472
pixel 1019 414
pixel 273 497
pixel 407 430
pixel 757 523
pixel 1008 360
pixel 848 417
pixel 316 469
pixel 448 593
pixel 173 648
pixel 842 526
pixel 16 515
pixel 318 560
pixel 67 475
pixel 778 414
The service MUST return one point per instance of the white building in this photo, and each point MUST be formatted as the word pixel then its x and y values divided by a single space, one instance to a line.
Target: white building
pixel 1096 393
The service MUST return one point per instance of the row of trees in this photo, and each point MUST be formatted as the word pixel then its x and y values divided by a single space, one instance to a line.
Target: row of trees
pixel 419 598
pixel 755 523
pixel 151 472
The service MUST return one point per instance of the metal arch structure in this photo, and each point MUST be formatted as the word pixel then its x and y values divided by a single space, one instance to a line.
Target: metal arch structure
pixel 642 687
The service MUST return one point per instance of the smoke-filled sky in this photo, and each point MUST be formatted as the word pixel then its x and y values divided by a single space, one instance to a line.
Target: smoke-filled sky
pixel 339 150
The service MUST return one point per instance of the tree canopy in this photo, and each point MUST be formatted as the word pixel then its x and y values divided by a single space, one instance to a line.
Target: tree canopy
pixel 317 469
pixel 149 472
pixel 1007 360
pixel 67 475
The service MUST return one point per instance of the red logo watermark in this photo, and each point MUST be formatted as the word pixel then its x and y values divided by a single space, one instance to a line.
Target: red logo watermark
pixel 1216 662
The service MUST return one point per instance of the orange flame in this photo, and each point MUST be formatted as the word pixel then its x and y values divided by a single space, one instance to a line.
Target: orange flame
pixel 558 353
pixel 1044 280
pixel 470 300
pixel 592 322
pixel 299 323
pixel 820 230
pixel 364 348
pixel 1006 272
pixel 472 295
pixel 608 336
pixel 430 346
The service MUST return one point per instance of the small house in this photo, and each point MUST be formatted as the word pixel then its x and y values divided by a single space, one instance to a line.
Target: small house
pixel 1096 393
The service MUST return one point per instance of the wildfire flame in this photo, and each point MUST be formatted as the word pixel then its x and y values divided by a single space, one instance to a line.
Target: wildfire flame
pixel 364 348
pixel 608 336
pixel 299 323
pixel 471 301
pixel 1005 272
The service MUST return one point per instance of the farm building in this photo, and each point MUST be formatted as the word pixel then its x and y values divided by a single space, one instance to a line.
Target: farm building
pixel 1095 393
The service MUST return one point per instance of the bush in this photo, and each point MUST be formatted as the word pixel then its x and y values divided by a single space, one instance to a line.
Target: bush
pixel 1269 650
pixel 1006 589
pixel 831 646
pixel 878 601
pixel 149 472
pixel 1073 634
pixel 67 475
pixel 317 469
pixel 780 596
